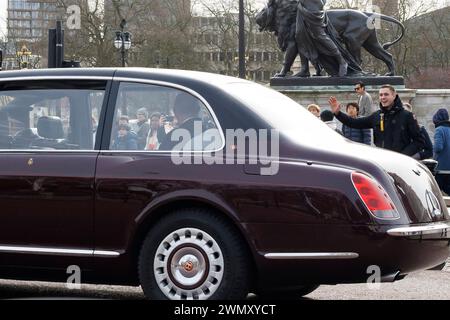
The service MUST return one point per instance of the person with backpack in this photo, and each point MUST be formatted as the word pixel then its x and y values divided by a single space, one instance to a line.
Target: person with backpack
pixel 427 151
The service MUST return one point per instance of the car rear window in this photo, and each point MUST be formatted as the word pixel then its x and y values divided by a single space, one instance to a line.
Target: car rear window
pixel 283 114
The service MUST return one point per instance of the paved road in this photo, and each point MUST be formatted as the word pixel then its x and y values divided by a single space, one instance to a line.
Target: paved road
pixel 424 285
pixel 428 285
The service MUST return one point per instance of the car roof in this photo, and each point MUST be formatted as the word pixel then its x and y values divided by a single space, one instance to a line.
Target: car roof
pixel 210 86
pixel 187 74
pixel 97 72
pixel 139 73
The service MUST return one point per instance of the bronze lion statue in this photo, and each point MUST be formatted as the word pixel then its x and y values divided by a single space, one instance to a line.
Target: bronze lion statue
pixel 355 28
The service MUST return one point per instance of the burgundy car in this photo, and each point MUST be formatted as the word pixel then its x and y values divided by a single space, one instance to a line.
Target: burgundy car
pixel 95 172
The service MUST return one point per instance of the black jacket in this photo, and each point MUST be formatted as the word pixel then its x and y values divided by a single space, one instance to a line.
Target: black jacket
pixel 401 132
pixel 142 134
pixel 160 135
pixel 171 139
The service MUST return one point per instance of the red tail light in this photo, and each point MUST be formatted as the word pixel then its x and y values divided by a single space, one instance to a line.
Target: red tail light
pixel 374 197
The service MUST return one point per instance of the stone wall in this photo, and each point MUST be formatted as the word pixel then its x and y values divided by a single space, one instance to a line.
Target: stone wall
pixel 424 102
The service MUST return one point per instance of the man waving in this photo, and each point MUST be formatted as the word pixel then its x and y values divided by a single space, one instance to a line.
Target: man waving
pixel 394 128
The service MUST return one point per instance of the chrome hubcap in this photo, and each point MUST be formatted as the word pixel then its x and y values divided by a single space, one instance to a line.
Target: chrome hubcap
pixel 188 265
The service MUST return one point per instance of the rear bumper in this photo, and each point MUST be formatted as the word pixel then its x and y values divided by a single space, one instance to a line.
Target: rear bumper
pixel 331 254
pixel 436 230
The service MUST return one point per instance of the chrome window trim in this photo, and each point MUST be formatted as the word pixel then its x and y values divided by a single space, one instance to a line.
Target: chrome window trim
pixel 34 151
pixel 181 88
pixel 57 251
pixel 122 79
pixel 311 256
pixel 33 78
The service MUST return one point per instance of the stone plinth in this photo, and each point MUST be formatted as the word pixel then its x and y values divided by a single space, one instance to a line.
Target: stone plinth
pixel 334 83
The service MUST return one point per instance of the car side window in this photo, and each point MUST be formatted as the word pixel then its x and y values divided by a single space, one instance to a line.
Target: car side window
pixel 49 119
pixel 156 118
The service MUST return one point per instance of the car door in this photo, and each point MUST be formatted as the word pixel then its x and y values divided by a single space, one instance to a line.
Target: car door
pixel 128 178
pixel 48 155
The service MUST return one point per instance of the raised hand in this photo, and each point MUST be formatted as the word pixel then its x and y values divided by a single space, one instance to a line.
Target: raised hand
pixel 335 105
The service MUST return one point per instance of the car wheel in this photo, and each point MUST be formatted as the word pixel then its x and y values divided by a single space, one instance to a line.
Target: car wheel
pixel 193 254
pixel 288 294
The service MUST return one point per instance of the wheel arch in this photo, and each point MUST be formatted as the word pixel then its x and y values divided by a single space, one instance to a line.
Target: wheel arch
pixel 156 211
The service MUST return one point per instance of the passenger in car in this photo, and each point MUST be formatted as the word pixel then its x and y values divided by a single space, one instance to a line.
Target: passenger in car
pixel 50 127
pixel 143 128
pixel 187 114
pixel 126 139
pixel 208 123
pixel 168 122
pixel 157 134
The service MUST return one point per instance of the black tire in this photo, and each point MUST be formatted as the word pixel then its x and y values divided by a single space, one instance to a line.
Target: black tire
pixel 291 294
pixel 204 247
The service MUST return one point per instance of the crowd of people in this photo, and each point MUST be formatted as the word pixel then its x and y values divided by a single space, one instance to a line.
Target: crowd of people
pixel 392 126
pixel 159 131
pixel 146 133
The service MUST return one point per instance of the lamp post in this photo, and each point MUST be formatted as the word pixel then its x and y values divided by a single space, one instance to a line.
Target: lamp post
pixel 246 63
pixel 241 40
pixel 123 41
pixel 24 57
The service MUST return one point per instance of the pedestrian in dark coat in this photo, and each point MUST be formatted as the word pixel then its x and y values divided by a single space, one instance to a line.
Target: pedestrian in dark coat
pixel 357 135
pixel 442 148
pixel 427 151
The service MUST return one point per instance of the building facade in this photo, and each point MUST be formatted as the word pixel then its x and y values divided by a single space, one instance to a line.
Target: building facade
pixel 216 45
pixel 28 20
pixel 27 27
pixel 165 34
pixel 175 38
